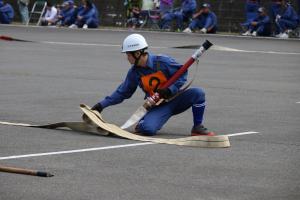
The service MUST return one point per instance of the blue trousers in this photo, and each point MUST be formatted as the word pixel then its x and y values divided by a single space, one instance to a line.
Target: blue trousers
pixel 158 116
pixel 68 21
pixel 91 22
pixel 261 30
pixel 4 19
pixel 178 16
pixel 282 25
pixel 197 23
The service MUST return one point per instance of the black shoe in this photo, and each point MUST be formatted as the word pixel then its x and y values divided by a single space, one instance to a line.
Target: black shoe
pixel 201 130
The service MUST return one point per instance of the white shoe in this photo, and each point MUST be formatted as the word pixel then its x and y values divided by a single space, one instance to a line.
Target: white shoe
pixel 247 33
pixel 278 35
pixel 85 26
pixel 284 36
pixel 73 26
pixel 254 34
pixel 187 30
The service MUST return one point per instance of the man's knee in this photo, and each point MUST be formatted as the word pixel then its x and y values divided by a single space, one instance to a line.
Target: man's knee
pixel 147 130
pixel 198 94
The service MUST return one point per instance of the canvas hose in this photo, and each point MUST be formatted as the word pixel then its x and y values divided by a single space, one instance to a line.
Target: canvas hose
pixel 97 125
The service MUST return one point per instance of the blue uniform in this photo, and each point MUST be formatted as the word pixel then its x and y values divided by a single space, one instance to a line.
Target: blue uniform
pixel 288 20
pixel 90 16
pixel 158 116
pixel 187 10
pixel 68 16
pixel 274 10
pixel 251 11
pixel 208 21
pixel 263 27
pixel 6 13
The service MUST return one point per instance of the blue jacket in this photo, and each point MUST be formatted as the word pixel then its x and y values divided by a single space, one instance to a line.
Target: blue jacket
pixel 165 64
pixel 263 20
pixel 8 11
pixel 188 6
pixel 209 20
pixel 275 10
pixel 89 13
pixel 66 13
pixel 290 14
pixel 251 10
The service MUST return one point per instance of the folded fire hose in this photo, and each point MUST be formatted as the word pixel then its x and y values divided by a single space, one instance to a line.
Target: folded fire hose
pixel 97 125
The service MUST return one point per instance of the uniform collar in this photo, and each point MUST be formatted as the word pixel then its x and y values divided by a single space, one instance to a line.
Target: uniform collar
pixel 150 61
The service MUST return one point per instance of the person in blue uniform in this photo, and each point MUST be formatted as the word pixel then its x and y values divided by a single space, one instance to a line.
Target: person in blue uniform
pixel 205 20
pixel 260 26
pixel 286 19
pixel 251 8
pixel 298 8
pixel 87 16
pixel 149 71
pixel 6 13
pixel 185 13
pixel 67 15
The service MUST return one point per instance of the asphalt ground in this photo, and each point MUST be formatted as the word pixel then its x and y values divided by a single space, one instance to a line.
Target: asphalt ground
pixel 251 85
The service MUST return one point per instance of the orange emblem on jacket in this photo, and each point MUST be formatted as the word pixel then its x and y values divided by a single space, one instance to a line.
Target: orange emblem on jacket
pixel 152 82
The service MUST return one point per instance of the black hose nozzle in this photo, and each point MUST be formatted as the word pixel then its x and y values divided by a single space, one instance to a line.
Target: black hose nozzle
pixel 207 44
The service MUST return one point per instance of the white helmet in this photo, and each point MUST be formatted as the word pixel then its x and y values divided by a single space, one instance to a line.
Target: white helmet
pixel 134 42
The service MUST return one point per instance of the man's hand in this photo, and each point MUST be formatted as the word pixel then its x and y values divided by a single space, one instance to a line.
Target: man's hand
pixel 164 93
pixel 254 23
pixel 277 18
pixel 97 107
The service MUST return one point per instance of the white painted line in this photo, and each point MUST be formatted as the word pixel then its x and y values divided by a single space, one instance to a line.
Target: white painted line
pixel 298 102
pixel 221 48
pixel 75 151
pixel 81 44
pixel 216 48
pixel 242 133
pixel 91 44
pixel 14 124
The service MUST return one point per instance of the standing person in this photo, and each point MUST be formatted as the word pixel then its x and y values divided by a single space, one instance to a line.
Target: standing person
pixel 6 13
pixel 260 26
pixel 298 2
pixel 286 20
pixel 185 12
pixel 144 67
pixel 23 9
pixel 204 19
pixel 87 17
pixel 50 17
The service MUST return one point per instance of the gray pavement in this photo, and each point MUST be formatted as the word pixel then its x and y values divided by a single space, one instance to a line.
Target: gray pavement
pixel 44 83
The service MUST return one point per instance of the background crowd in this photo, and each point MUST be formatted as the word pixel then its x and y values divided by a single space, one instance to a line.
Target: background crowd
pixel 278 19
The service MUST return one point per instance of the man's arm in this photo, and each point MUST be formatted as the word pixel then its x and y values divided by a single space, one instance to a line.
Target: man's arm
pixel 124 91
pixel 197 14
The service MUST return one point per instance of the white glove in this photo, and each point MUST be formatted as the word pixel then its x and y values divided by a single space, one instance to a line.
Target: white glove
pixel 277 17
pixel 203 30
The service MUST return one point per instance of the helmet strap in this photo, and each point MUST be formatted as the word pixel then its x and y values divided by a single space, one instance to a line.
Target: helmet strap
pixel 137 58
